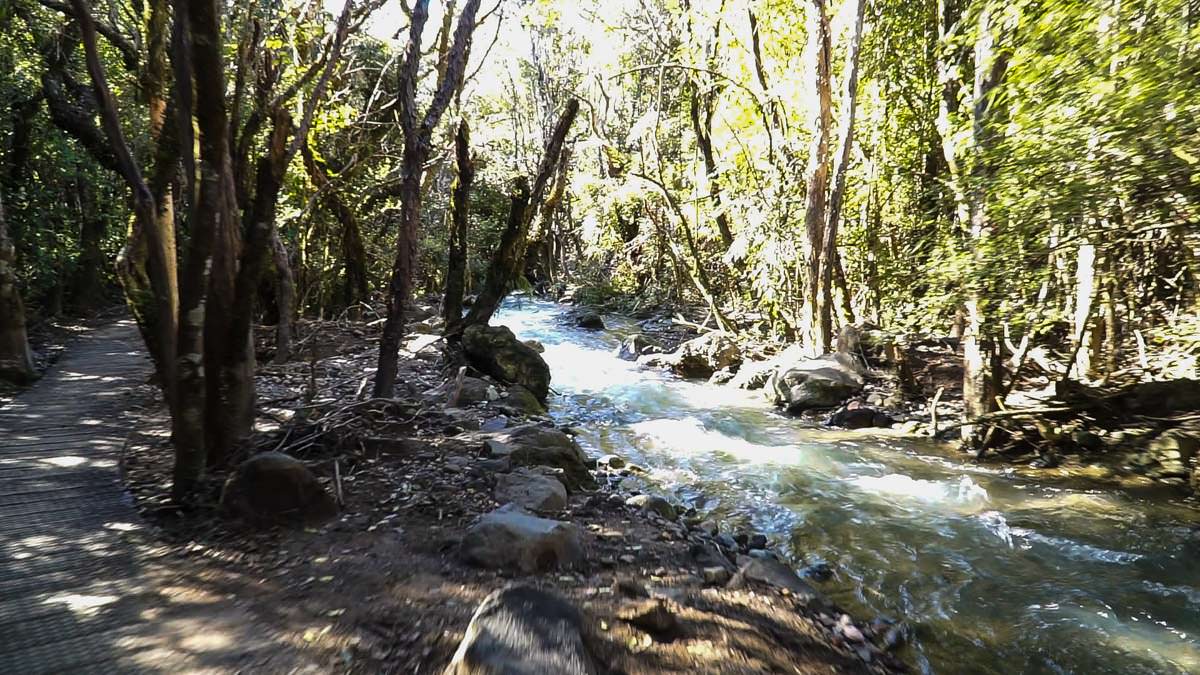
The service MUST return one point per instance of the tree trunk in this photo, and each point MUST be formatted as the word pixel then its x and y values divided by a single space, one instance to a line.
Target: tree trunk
pixel 816 311
pixel 510 255
pixel 354 256
pixel 460 215
pixel 829 256
pixel 981 356
pixel 417 134
pixel 16 359
pixel 285 289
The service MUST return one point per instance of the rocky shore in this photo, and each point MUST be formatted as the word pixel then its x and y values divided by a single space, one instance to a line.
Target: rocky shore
pixel 453 527
pixel 1137 434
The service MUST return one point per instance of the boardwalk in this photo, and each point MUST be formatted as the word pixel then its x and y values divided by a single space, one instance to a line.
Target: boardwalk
pixel 82 590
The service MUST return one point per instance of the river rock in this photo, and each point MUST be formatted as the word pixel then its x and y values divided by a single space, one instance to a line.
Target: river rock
pixel 536 346
pixel 857 416
pixel 274 488
pixel 772 573
pixel 522 630
pixel 755 374
pixel 531 490
pixel 697 358
pixel 536 445
pixel 510 538
pixel 590 321
pixel 634 346
pixel 496 351
pixel 822 382
pixel 611 462
pixel 652 504
pixel 475 390
pixel 520 399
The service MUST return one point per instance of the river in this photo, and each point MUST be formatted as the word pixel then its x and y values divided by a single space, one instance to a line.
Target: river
pixel 994 573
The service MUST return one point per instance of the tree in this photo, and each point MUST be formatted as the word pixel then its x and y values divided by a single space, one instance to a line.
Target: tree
pixel 418 131
pixel 16 359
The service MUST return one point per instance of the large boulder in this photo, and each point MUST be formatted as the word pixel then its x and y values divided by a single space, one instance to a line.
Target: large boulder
pixel 536 445
pixel 754 374
pixel 698 358
pixel 274 488
pixel 522 630
pixel 511 539
pixel 531 490
pixel 823 382
pixel 496 351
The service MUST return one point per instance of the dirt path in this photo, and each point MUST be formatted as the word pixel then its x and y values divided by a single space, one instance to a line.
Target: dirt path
pixel 82 586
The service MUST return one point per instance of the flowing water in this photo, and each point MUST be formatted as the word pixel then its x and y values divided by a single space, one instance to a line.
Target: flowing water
pixel 995 574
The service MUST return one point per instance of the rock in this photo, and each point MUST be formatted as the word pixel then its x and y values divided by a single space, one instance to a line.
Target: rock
pixel 474 390
pixel 590 321
pixel 822 382
pixel 531 490
pixel 708 555
pixel 653 504
pixel 536 346
pixel 849 630
pixel 654 617
pixel 611 462
pixel 535 445
pixel 1175 445
pixel 274 488
pixel 702 356
pixel 722 376
pixel 756 541
pixel 431 326
pixel 715 576
pixel 755 374
pixel 634 346
pixel 1087 440
pixel 857 416
pixel 496 351
pixel 630 588
pixel 520 399
pixel 773 573
pixel 820 571
pixel 521 630
pixel 511 539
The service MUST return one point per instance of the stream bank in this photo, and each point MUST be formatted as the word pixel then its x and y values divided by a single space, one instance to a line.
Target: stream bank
pixel 391 584
pixel 999 570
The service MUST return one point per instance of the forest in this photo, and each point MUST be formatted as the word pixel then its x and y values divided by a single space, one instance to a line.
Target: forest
pixel 778 291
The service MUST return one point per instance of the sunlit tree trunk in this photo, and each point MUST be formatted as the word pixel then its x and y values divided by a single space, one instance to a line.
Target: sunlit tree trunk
pixel 817 330
pixel 829 259
pixel 981 355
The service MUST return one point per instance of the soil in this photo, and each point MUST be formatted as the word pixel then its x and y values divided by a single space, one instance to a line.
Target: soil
pixel 381 588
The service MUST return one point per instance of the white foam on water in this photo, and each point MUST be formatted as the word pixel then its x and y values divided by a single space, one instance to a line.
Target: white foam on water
pixel 688 436
pixel 963 492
